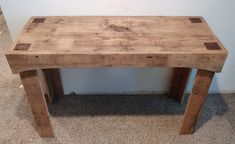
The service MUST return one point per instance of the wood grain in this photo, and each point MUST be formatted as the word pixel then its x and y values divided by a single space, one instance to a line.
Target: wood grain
pixel 196 100
pixel 36 100
pixel 92 41
pixel 179 83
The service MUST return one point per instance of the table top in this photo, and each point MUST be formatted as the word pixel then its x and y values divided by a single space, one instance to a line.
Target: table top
pixel 95 39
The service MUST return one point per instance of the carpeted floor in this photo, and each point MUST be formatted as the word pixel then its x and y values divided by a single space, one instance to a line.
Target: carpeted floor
pixel 116 119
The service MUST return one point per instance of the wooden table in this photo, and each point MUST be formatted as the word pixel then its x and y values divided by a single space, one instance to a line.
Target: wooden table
pixel 49 43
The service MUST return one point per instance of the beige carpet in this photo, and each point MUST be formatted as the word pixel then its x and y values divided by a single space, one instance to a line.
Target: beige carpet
pixel 105 119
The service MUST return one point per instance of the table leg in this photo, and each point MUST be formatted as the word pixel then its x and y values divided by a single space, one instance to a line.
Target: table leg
pixel 54 82
pixel 179 83
pixel 45 87
pixel 197 97
pixel 37 103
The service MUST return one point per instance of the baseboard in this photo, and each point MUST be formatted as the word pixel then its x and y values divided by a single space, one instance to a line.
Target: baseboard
pixel 119 93
pixel 135 93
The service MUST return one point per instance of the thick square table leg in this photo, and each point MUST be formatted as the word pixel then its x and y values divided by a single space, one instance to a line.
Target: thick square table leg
pixel 197 97
pixel 45 87
pixel 37 103
pixel 179 83
pixel 54 82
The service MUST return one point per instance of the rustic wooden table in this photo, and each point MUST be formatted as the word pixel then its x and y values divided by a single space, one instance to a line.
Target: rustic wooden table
pixel 49 43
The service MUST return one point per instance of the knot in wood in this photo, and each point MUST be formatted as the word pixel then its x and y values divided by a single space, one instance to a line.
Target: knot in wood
pixel 196 90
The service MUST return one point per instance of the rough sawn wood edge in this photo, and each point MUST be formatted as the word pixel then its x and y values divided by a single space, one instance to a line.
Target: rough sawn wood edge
pixel 210 62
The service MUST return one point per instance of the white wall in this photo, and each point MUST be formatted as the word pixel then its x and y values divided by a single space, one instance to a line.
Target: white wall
pixel 219 14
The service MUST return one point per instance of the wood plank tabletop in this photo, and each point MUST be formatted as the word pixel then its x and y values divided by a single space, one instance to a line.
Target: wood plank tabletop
pixel 108 40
